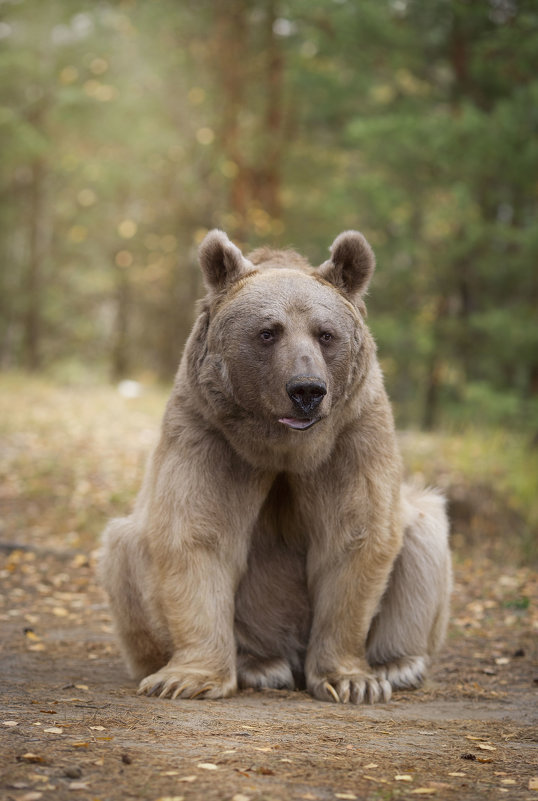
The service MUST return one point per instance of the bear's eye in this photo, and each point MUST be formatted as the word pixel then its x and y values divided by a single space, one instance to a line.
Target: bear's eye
pixel 267 336
pixel 325 336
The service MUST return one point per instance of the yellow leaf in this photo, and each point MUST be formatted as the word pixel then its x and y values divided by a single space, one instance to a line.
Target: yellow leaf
pixel 403 777
pixel 29 757
pixel 207 766
pixel 486 747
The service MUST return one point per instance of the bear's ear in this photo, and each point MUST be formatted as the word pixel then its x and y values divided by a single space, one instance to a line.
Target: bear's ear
pixel 221 261
pixel 351 265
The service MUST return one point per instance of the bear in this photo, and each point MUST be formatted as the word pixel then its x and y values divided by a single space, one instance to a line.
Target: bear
pixel 274 543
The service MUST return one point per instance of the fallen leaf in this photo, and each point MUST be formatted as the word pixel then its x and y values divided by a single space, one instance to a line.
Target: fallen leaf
pixel 472 737
pixel 508 781
pixel 78 786
pixel 188 779
pixel 97 728
pixel 81 687
pixel 241 797
pixel 33 796
pixel 533 783
pixel 262 748
pixel 502 660
pixel 486 747
pixel 375 779
pixel 403 777
pixel 207 766
pixel 54 730
pixel 484 759
pixel 371 766
pixel 349 796
pixel 29 757
pixel 458 773
pixel 10 723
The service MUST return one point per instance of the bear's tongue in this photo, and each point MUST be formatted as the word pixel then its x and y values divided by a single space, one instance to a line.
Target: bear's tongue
pixel 293 422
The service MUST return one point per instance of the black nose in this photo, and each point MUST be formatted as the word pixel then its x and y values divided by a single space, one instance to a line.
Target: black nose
pixel 306 393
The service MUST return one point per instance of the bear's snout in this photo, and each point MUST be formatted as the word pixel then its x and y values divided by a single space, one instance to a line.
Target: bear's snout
pixel 306 393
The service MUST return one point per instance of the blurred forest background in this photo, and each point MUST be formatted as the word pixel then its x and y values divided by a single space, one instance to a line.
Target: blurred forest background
pixel 128 129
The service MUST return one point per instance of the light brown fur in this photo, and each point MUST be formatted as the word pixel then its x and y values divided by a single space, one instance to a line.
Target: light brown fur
pixel 264 554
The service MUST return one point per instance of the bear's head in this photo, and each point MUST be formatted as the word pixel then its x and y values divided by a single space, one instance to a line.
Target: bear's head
pixel 281 349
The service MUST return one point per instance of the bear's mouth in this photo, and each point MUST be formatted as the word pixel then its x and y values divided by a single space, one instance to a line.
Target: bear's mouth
pixel 299 424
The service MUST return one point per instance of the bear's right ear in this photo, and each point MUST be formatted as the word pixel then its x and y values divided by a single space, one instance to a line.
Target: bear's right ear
pixel 351 265
pixel 221 261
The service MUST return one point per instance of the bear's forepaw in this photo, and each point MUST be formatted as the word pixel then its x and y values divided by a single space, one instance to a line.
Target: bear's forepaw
pixel 173 681
pixel 357 688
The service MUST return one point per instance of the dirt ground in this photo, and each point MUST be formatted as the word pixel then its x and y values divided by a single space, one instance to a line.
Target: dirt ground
pixel 71 725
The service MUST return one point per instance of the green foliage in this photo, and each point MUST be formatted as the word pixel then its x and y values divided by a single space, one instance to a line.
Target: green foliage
pixel 128 129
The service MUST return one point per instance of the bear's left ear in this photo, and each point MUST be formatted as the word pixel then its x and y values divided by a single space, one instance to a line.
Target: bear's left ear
pixel 351 265
pixel 221 261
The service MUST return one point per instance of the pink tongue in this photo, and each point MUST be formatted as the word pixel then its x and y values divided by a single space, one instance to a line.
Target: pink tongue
pixel 292 422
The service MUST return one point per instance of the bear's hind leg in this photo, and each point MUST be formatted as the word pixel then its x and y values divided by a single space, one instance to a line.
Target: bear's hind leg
pixel 123 575
pixel 411 623
pixel 261 673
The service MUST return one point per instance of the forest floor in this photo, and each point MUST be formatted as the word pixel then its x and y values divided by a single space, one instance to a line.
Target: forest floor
pixel 72 726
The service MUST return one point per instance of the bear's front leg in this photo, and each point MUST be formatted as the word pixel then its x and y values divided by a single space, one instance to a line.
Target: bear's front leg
pixel 199 505
pixel 348 568
pixel 196 590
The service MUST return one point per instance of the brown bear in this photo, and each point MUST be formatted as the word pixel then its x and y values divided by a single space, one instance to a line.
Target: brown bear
pixel 273 543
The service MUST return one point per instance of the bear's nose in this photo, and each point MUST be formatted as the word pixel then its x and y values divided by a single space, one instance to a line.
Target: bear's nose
pixel 306 393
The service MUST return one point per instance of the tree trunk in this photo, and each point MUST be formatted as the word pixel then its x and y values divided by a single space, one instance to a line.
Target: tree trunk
pixel 33 278
pixel 120 352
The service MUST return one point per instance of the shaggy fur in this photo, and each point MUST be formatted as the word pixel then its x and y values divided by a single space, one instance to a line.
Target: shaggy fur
pixel 272 543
